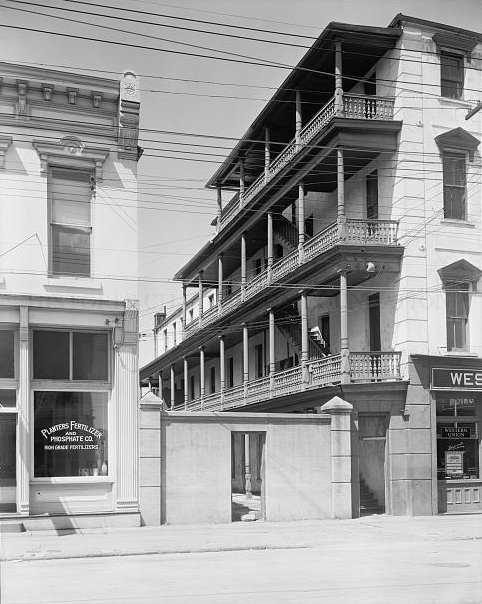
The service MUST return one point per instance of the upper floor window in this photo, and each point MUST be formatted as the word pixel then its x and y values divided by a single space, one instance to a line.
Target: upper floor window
pixel 70 222
pixel 451 75
pixel 174 333
pixel 454 181
pixel 457 315
pixel 166 340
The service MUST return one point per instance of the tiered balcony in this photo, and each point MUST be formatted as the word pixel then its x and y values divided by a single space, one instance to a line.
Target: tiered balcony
pixel 364 367
pixel 356 232
pixel 355 107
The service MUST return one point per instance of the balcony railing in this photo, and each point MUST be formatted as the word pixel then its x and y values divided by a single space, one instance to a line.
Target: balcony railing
pixel 357 232
pixel 364 367
pixel 354 106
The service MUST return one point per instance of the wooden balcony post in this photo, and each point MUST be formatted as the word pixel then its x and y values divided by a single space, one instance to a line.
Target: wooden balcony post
pixel 242 181
pixel 344 344
pixel 243 265
pixel 173 387
pixel 220 284
pixel 340 193
pixel 298 122
pixel 247 466
pixel 186 382
pixel 200 298
pixel 272 350
pixel 270 247
pixel 338 79
pixel 301 222
pixel 245 359
pixel 304 338
pixel 220 209
pixel 222 368
pixel 201 375
pixel 267 155
pixel 184 310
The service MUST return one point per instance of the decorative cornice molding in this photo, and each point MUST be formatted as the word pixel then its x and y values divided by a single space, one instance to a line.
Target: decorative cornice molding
pixel 5 142
pixel 72 152
pixel 129 108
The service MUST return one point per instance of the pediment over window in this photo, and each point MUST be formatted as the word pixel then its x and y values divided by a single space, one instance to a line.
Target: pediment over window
pixel 461 271
pixel 70 152
pixel 454 42
pixel 458 138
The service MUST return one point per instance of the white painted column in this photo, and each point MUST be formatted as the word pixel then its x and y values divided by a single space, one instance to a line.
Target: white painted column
pixel 23 434
pixel 304 338
pixel 243 265
pixel 245 359
pixel 173 387
pixel 272 362
pixel 344 344
pixel 126 400
pixel 338 79
pixel 298 122
pixel 184 310
pixel 301 222
pixel 200 297
pixel 220 208
pixel 247 466
pixel 222 368
pixel 340 193
pixel 202 376
pixel 220 284
pixel 267 155
pixel 186 381
pixel 270 247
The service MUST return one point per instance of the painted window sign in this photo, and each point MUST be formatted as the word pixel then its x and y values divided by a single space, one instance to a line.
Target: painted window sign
pixel 71 434
pixel 455 432
pixel 455 379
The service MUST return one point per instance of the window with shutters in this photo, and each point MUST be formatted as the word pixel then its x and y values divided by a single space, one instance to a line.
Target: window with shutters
pixel 70 222
pixel 451 75
pixel 455 180
pixel 457 315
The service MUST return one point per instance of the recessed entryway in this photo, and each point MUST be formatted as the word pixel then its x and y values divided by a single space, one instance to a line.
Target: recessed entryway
pixel 247 476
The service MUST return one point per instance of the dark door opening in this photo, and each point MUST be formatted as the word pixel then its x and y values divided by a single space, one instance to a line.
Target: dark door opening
pixel 8 457
pixel 247 476
pixel 372 434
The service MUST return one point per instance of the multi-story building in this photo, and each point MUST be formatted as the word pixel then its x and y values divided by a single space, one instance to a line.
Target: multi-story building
pixel 68 291
pixel 347 262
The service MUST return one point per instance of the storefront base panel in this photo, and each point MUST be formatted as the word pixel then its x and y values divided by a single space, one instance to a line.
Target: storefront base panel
pixel 459 496
pixel 70 498
pixel 64 522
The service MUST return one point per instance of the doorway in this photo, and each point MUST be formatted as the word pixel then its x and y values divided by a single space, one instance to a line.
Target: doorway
pixel 372 434
pixel 8 462
pixel 247 476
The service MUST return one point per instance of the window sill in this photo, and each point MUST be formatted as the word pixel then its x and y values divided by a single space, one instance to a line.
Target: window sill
pixel 73 283
pixel 73 480
pixel 455 102
pixel 462 223
pixel 461 353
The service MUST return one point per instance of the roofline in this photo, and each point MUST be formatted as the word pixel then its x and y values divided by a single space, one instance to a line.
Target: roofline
pixel 401 18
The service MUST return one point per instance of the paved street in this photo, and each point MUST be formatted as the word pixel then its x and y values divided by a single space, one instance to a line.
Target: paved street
pixel 371 560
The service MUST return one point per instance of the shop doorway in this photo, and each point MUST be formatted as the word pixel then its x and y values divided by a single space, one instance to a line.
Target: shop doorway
pixel 8 465
pixel 372 433
pixel 248 476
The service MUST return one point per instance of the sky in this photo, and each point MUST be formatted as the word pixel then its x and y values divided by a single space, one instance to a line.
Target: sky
pixel 183 95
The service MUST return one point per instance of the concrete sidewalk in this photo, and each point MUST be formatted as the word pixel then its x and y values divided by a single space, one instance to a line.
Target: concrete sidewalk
pixel 236 536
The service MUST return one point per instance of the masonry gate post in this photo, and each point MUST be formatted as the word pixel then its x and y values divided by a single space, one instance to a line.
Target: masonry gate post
pixel 341 461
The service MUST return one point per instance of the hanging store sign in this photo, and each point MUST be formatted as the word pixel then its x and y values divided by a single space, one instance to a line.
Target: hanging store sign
pixel 71 436
pixel 456 379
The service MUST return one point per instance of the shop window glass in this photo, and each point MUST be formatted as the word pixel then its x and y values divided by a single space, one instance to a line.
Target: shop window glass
pixel 51 355
pixel 457 437
pixel 90 356
pixel 8 399
pixel 70 434
pixel 7 353
pixel 8 435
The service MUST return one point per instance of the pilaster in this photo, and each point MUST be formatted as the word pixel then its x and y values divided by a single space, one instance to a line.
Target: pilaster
pixel 23 435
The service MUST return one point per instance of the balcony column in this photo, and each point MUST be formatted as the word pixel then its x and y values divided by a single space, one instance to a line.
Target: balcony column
pixel 247 466
pixel 220 284
pixel 242 182
pixel 338 79
pixel 301 222
pixel 272 357
pixel 270 247
pixel 344 344
pixel 298 121
pixel 202 385
pixel 243 265
pixel 184 310
pixel 222 368
pixel 186 382
pixel 304 339
pixel 267 155
pixel 173 387
pixel 245 359
pixel 200 298
pixel 340 193
pixel 220 209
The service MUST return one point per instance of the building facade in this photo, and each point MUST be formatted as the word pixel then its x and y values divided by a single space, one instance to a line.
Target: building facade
pixel 347 262
pixel 68 319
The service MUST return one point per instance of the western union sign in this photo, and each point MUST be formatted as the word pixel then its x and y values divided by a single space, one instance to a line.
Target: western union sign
pixel 456 379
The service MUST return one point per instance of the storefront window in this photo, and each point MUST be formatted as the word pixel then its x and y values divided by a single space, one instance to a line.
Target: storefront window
pixel 70 434
pixel 458 436
pixel 7 355
pixel 8 399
